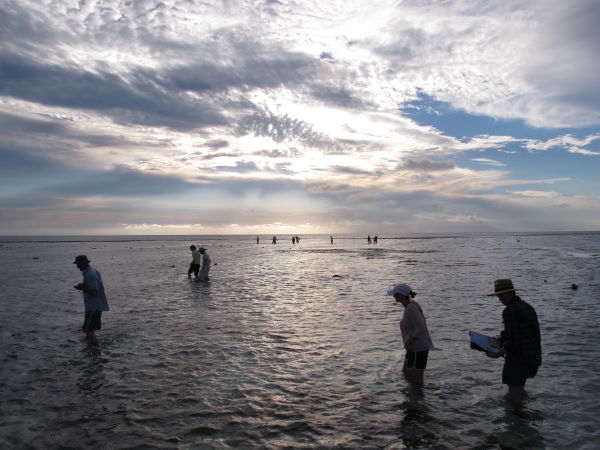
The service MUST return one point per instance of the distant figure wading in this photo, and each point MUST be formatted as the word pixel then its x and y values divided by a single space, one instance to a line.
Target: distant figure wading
pixel 195 264
pixel 204 264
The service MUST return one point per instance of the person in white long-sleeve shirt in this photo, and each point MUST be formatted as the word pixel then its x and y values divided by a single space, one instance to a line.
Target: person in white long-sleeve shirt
pixel 94 297
pixel 204 265
pixel 415 334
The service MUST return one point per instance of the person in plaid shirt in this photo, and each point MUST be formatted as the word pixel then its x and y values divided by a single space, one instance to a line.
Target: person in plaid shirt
pixel 521 341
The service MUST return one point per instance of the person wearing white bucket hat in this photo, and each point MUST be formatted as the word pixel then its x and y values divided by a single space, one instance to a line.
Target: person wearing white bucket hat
pixel 415 334
pixel 520 340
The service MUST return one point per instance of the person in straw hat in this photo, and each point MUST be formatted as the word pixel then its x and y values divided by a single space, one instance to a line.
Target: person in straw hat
pixel 520 340
pixel 94 297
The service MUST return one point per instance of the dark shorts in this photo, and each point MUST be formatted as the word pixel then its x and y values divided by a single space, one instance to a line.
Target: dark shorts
pixel 515 373
pixel 194 268
pixel 416 360
pixel 92 320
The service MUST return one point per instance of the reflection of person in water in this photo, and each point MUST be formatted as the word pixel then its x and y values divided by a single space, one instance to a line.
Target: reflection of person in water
pixel 92 376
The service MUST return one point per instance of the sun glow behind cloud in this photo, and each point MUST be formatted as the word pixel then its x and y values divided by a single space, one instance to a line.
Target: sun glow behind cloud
pixel 249 113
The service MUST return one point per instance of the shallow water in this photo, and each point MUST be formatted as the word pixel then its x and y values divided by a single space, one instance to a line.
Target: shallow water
pixel 275 351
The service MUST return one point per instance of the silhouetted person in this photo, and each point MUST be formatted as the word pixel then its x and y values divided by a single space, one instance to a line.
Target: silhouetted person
pixel 94 298
pixel 520 340
pixel 195 264
pixel 204 264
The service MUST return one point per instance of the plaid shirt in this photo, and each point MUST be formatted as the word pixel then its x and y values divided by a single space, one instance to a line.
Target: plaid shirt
pixel 521 335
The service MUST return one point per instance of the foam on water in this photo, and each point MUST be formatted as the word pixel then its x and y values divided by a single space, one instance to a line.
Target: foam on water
pixel 275 351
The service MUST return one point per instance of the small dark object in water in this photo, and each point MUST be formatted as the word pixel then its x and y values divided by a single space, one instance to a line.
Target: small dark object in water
pixel 337 276
pixel 35 257
pixel 574 286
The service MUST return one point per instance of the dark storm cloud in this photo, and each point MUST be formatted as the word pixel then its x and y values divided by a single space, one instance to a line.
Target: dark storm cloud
pixel 351 170
pixel 247 73
pixel 135 100
pixel 217 143
pixel 11 124
pixel 22 25
pixel 123 182
pixel 16 161
pixel 48 130
pixel 279 128
pixel 427 165
pixel 339 97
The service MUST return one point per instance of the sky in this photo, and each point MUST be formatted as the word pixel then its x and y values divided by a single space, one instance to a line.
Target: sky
pixel 280 116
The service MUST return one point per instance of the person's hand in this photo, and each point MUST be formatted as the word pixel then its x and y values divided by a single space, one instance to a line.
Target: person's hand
pixel 495 355
pixel 79 286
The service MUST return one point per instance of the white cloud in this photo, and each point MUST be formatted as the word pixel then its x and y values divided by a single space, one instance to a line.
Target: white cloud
pixel 537 194
pixel 226 100
pixel 490 162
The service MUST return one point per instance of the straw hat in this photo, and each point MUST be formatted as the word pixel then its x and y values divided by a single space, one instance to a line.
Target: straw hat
pixel 502 286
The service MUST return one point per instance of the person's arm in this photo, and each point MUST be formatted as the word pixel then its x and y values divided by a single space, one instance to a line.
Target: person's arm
pixel 412 318
pixel 89 285
pixel 497 354
pixel 86 289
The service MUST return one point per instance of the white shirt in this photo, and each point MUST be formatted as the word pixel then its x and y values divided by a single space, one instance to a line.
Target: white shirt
pixel 414 329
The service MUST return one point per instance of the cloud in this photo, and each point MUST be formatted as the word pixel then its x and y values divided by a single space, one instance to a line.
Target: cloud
pixel 568 141
pixel 491 162
pixel 280 112
pixel 240 167
pixel 536 194
pixel 427 165
pixel 134 100
pixel 122 182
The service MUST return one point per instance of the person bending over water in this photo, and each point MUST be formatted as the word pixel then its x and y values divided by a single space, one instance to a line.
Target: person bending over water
pixel 415 334
pixel 94 298
pixel 195 264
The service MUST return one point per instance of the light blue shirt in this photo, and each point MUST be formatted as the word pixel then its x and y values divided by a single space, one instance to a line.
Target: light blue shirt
pixel 93 280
